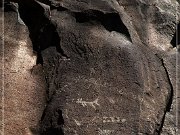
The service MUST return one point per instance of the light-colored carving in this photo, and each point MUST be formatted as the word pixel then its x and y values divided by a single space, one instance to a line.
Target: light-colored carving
pixel 96 119
pixel 105 132
pixel 111 100
pixel 77 122
pixel 123 120
pixel 66 114
pixel 85 103
pixel 111 119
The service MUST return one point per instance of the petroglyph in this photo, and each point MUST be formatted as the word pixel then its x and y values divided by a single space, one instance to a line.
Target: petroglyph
pixel 66 114
pixel 111 119
pixel 111 100
pixel 86 103
pixel 96 119
pixel 123 120
pixel 121 91
pixel 105 132
pixel 96 82
pixel 77 122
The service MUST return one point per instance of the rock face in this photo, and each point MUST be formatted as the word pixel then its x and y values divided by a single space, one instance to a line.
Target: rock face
pixel 110 65
pixel 23 87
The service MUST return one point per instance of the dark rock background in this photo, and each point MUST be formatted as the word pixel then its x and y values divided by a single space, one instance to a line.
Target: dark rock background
pixel 108 67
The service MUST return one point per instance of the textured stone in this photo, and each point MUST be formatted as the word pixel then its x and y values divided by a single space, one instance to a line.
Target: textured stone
pixel 24 84
pixel 109 65
pixel 171 63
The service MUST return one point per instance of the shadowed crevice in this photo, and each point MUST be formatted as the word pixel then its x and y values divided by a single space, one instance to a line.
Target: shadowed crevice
pixel 176 38
pixel 42 30
pixel 169 101
pixel 52 122
pixel 43 34
pixel 110 21
pixel 9 7
pixel 53 131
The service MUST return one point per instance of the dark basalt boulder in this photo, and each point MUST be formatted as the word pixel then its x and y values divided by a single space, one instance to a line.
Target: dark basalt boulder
pixel 110 66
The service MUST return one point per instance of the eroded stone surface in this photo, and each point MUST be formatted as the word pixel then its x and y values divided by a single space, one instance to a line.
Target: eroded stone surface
pixel 108 65
pixel 24 84
pixel 171 121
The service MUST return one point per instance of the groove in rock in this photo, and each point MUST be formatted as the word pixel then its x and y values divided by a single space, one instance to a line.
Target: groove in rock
pixel 170 100
pixel 176 38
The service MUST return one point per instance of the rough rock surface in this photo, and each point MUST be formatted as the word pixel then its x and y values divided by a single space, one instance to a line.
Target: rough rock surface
pixel 24 84
pixel 110 65
pixel 172 117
